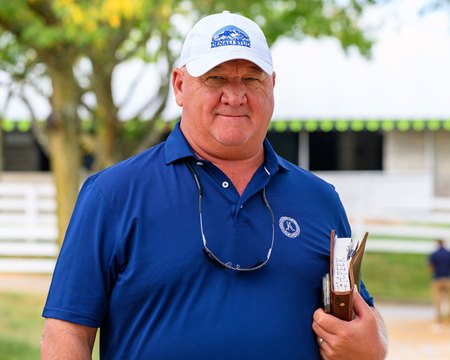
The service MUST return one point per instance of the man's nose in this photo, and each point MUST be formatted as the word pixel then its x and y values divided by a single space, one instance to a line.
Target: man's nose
pixel 234 93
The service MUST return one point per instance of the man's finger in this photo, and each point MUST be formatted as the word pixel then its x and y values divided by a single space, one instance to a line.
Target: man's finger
pixel 324 348
pixel 325 324
pixel 359 304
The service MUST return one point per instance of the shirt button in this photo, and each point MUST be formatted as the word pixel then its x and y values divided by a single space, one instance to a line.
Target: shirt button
pixel 199 163
pixel 225 184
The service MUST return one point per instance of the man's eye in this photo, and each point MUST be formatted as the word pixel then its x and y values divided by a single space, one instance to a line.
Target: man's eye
pixel 215 80
pixel 252 82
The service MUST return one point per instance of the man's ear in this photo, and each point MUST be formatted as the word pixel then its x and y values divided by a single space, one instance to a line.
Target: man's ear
pixel 177 85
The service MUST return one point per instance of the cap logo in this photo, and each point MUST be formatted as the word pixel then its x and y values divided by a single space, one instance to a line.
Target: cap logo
pixel 230 35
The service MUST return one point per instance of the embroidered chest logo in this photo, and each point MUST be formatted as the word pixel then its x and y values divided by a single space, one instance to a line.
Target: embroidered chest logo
pixel 289 227
pixel 230 35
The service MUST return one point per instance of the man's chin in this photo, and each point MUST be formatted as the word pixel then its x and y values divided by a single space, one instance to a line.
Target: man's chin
pixel 233 140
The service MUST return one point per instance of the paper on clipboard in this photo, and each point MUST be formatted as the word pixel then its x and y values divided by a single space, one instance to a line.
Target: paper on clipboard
pixel 344 249
pixel 345 271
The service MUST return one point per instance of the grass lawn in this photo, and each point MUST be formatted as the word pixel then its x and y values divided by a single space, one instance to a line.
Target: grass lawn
pixel 20 325
pixel 397 277
pixel 388 276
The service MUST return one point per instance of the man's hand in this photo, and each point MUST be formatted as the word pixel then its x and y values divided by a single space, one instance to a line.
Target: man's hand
pixel 363 338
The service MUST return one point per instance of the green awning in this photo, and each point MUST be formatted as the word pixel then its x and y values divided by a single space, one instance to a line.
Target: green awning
pixel 11 125
pixel 309 125
pixel 356 125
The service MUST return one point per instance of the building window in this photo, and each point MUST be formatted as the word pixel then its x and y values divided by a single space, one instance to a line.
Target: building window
pixel 331 151
pixel 22 153
pixel 285 144
pixel 345 151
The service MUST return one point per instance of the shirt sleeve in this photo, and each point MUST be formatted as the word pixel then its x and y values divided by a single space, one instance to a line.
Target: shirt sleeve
pixel 87 264
pixel 365 294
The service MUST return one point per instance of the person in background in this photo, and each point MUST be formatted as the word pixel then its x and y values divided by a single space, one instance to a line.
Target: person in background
pixel 439 262
pixel 208 245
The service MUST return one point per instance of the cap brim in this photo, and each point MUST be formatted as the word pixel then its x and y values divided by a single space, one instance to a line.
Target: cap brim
pixel 200 66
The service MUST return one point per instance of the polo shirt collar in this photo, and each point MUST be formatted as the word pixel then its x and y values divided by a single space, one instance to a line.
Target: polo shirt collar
pixel 273 162
pixel 177 148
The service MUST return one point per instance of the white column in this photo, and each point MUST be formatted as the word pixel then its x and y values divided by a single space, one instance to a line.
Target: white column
pixel 303 149
pixel 430 158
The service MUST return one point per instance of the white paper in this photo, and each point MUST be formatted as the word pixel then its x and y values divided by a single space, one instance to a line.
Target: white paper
pixel 343 251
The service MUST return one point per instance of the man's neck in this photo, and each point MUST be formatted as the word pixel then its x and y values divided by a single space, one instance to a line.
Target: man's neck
pixel 239 171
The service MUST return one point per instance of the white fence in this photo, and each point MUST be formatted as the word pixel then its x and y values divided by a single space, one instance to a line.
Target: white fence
pixel 28 227
pixel 398 212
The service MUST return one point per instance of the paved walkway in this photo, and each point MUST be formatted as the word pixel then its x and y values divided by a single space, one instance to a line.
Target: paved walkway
pixel 412 333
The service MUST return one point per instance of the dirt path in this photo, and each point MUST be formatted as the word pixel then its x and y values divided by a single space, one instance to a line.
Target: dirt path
pixel 412 333
pixel 24 283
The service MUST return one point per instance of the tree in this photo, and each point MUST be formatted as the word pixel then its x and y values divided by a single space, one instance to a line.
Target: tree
pixel 22 73
pixel 60 32
pixel 81 43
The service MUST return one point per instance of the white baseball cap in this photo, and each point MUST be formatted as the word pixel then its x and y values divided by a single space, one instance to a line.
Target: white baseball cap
pixel 222 37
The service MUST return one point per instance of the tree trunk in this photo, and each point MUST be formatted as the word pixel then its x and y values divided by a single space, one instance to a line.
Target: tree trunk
pixel 107 122
pixel 63 134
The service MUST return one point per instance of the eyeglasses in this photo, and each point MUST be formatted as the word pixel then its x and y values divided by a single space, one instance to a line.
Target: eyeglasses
pixel 210 255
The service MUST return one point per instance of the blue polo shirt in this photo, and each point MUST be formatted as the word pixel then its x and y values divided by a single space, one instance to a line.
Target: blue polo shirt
pixel 132 261
pixel 440 260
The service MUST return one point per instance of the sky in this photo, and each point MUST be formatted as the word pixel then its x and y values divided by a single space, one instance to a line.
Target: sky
pixel 408 75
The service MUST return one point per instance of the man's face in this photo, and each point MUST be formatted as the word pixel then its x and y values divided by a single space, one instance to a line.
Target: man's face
pixel 226 112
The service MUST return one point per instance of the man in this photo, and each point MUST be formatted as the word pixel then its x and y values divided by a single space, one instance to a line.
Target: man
pixel 439 262
pixel 209 245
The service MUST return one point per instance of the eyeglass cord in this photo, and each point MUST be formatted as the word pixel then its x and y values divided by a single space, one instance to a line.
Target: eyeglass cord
pixel 208 252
